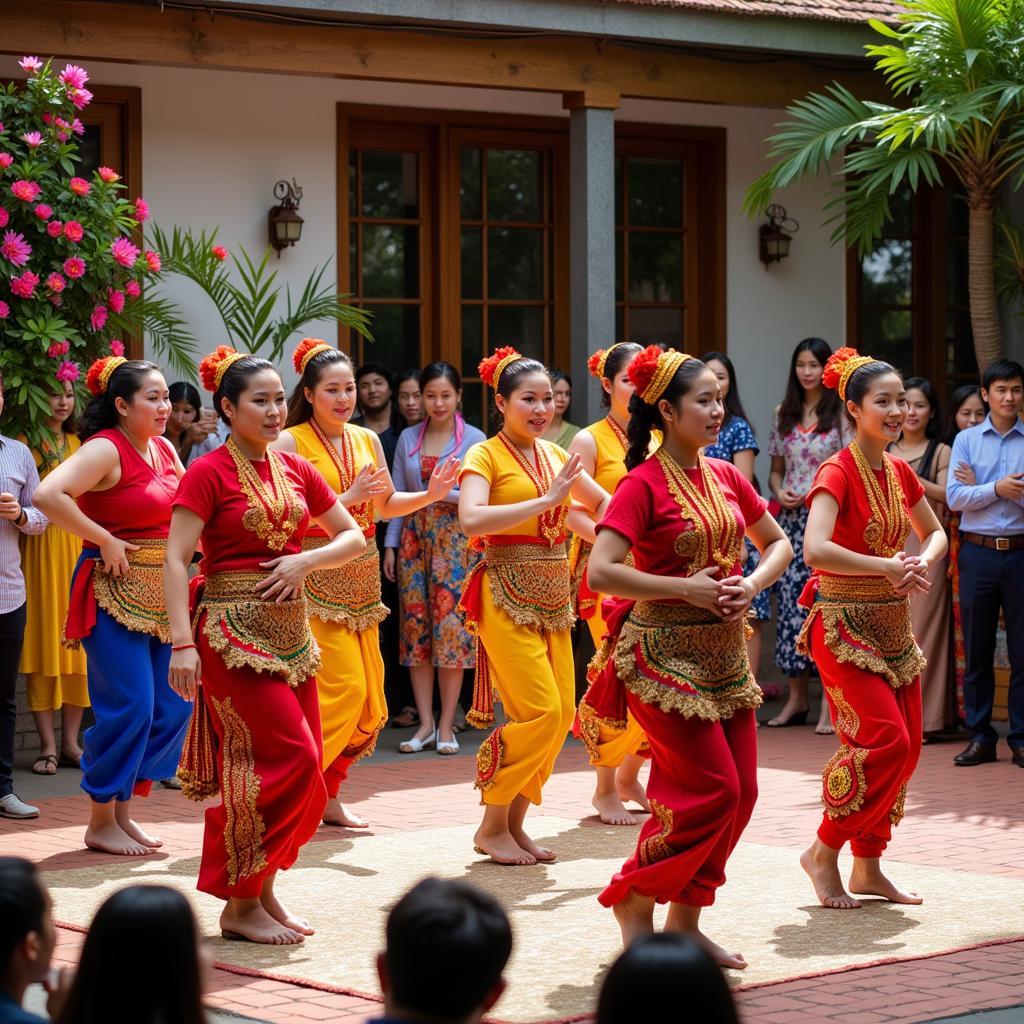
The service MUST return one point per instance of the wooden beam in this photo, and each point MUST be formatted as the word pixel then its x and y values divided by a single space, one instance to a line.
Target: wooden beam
pixel 88 30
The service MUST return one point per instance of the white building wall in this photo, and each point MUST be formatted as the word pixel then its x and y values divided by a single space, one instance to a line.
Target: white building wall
pixel 214 143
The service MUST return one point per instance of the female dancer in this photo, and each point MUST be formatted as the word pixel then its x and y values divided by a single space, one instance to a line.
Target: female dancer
pixel 807 429
pixel 345 604
pixel 922 448
pixel 966 409
pixel 247 639
pixel 115 493
pixel 561 431
pixel 515 495
pixel 676 654
pixel 436 559
pixel 55 677
pixel 862 505
pixel 614 753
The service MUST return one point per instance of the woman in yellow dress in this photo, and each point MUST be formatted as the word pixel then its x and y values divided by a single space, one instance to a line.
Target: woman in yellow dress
pixel 345 606
pixel 55 677
pixel 516 492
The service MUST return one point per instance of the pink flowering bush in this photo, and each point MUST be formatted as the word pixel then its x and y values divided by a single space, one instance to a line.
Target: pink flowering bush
pixel 72 274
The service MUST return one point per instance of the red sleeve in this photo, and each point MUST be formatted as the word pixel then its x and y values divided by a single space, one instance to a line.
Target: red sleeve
pixel 752 506
pixel 830 479
pixel 320 498
pixel 199 489
pixel 911 483
pixel 629 511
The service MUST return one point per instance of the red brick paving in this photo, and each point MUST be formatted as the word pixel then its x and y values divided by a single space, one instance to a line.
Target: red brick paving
pixel 967 819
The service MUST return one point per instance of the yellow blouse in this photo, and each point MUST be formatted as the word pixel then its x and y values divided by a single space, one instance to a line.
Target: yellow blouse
pixel 610 465
pixel 509 482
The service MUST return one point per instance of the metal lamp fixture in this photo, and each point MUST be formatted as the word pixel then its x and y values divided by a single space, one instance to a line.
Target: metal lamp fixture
pixel 284 221
pixel 776 235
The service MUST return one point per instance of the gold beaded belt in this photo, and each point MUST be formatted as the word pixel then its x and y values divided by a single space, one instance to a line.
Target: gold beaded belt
pixel 349 594
pixel 530 583
pixel 136 599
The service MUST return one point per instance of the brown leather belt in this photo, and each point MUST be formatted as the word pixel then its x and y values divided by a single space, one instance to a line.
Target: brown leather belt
pixel 1013 543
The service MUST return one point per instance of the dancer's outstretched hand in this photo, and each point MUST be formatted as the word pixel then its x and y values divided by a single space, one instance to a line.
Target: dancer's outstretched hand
pixel 566 477
pixel 444 478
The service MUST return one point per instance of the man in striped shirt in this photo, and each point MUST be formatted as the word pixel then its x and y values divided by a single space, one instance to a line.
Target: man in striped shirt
pixel 18 481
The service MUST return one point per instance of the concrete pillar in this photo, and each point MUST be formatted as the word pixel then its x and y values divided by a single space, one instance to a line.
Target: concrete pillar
pixel 592 241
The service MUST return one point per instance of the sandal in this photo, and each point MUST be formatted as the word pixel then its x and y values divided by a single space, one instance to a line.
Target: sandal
pixel 67 761
pixel 49 763
pixel 414 746
pixel 406 719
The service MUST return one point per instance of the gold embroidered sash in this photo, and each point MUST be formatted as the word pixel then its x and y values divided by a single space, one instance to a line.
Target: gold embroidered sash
pixel 136 599
pixel 349 594
pixel 868 625
pixel 530 583
pixel 684 659
pixel 262 635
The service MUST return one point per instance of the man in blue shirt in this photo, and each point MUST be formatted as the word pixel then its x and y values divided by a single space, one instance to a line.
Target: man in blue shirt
pixel 992 558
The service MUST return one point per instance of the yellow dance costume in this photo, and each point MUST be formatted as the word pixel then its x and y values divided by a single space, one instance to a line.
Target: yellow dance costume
pixel 54 675
pixel 518 602
pixel 344 611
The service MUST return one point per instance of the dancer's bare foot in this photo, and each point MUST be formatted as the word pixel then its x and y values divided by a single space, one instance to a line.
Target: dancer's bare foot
pixel 248 920
pixel 611 810
pixel 336 813
pixel 685 918
pixel 132 829
pixel 111 838
pixel 538 853
pixel 280 913
pixel 635 915
pixel 633 790
pixel 866 879
pixel 502 848
pixel 735 961
pixel 822 866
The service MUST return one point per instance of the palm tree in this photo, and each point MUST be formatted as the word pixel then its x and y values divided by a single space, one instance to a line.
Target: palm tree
pixel 958 65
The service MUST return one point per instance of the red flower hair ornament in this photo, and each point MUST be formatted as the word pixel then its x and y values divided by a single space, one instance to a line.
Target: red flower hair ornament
pixel 490 369
pixel 98 377
pixel 308 349
pixel 652 370
pixel 215 365
pixel 841 366
pixel 597 362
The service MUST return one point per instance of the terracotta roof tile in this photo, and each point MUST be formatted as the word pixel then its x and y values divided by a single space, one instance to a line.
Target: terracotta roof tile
pixel 819 10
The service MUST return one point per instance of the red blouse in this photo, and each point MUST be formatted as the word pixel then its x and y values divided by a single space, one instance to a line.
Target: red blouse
pixel 210 488
pixel 644 511
pixel 139 504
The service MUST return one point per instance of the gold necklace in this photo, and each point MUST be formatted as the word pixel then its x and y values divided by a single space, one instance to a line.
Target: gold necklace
pixel 620 434
pixel 715 531
pixel 274 512
pixel 552 520
pixel 345 463
pixel 889 524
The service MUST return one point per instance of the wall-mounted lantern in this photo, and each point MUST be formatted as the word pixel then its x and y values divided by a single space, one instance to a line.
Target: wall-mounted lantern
pixel 284 220
pixel 776 235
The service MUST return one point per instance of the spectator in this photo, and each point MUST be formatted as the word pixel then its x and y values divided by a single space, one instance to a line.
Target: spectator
pixel 144 945
pixel 992 558
pixel 408 403
pixel 446 948
pixel 808 428
pixel 190 428
pixel 436 560
pixel 27 938
pixel 373 388
pixel 561 431
pixel 647 980
pixel 922 447
pixel 18 482
pixel 966 409
pixel 55 677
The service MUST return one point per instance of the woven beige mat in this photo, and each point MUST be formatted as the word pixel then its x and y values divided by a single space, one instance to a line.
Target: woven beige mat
pixel 564 939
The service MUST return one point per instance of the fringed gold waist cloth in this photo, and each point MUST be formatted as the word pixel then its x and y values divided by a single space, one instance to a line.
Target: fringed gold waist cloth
pixel 681 658
pixel 136 599
pixel 530 583
pixel 867 624
pixel 350 594
pixel 248 632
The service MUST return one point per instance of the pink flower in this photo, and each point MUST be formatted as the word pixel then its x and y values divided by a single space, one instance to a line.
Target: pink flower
pixel 77 127
pixel 25 285
pixel 153 261
pixel 141 210
pixel 15 249
pixel 27 191
pixel 58 348
pixel 80 97
pixel 5 161
pixel 5 311
pixel 32 139
pixel 2 129
pixel 115 300
pixel 4 217
pixel 74 267
pixel 125 253
pixel 108 174
pixel 43 212
pixel 116 347
pixel 67 372
pixel 98 318
pixel 30 64
pixel 55 229
pixel 73 231
pixel 48 119
pixel 55 282
pixel 79 186
pixel 62 136
pixel 219 252
pixel 133 289
pixel 74 76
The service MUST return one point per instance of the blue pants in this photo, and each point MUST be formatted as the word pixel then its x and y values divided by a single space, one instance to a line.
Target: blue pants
pixel 140 721
pixel 989 580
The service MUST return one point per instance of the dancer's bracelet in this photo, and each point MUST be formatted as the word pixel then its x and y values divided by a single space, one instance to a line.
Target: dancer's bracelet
pixel 184 647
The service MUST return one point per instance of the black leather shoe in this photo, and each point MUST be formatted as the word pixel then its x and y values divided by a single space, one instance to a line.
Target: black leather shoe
pixel 976 753
pixel 1018 757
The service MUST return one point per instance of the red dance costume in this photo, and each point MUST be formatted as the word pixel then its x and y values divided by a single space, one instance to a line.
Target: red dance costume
pixel 859 634
pixel 684 676
pixel 259 661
